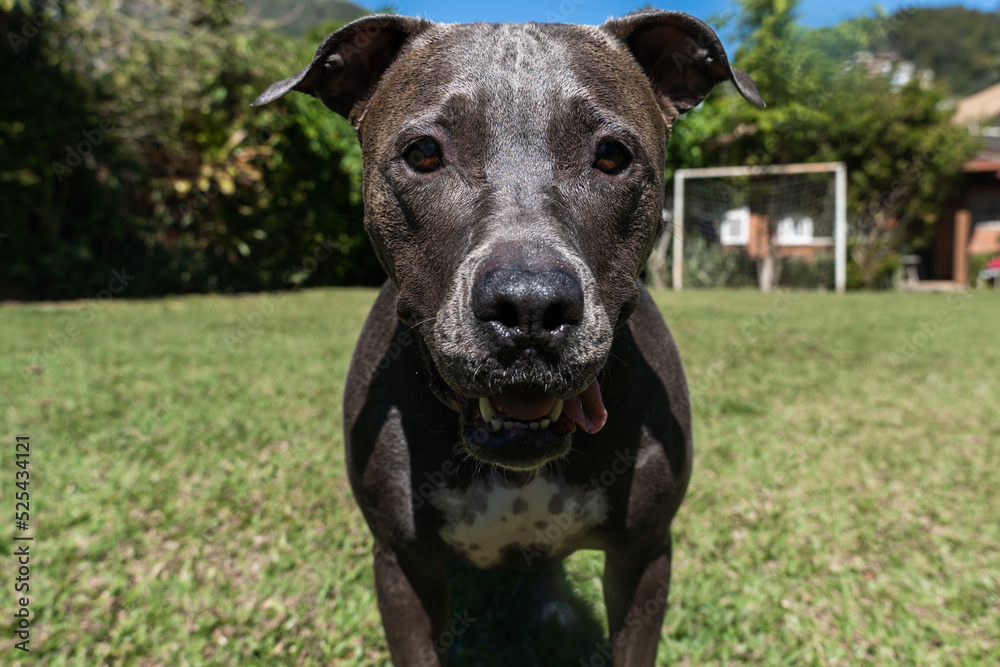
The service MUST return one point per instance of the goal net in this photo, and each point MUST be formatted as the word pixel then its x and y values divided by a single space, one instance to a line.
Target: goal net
pixel 764 227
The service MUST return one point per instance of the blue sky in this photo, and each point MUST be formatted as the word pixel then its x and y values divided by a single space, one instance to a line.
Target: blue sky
pixel 813 12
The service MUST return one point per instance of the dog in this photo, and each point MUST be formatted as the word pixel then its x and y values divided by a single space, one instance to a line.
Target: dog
pixel 515 394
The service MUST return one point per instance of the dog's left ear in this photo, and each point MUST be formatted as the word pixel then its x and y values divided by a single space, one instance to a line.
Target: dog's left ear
pixel 682 57
pixel 349 63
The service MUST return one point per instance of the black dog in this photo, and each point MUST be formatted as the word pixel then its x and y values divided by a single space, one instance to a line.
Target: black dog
pixel 513 184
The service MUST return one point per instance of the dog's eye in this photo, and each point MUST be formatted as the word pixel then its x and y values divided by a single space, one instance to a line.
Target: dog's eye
pixel 612 157
pixel 424 155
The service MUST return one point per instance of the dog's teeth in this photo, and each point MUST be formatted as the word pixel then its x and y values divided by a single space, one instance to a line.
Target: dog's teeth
pixel 533 426
pixel 486 409
pixel 508 425
pixel 556 410
pixel 495 424
pixel 545 422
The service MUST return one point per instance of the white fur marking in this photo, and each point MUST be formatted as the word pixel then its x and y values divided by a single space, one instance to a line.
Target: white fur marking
pixel 488 517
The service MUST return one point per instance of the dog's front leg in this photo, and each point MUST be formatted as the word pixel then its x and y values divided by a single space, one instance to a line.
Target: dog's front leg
pixel 635 594
pixel 413 601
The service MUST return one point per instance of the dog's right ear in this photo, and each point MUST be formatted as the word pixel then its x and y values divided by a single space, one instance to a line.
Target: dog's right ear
pixel 349 63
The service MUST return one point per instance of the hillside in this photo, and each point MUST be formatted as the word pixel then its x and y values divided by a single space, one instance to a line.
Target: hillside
pixel 961 46
pixel 300 16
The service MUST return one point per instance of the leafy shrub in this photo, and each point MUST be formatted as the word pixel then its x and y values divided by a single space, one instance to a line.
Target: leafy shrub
pixel 710 265
pixel 801 273
pixel 976 264
pixel 130 144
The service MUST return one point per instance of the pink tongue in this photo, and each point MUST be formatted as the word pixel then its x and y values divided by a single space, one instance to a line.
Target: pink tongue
pixel 524 405
pixel 588 409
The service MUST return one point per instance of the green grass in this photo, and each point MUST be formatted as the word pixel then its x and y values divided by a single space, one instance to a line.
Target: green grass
pixel 189 502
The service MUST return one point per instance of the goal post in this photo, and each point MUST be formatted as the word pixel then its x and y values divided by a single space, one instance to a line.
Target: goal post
pixel 784 228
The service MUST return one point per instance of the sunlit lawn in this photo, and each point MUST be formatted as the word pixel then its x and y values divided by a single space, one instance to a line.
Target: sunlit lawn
pixel 189 502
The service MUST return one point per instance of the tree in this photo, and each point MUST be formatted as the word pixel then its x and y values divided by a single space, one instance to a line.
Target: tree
pixel 129 140
pixel 902 152
pixel 958 44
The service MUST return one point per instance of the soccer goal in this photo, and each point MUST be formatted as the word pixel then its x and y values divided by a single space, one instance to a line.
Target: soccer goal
pixel 768 226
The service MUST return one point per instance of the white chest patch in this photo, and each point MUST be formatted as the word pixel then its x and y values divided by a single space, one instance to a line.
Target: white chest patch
pixel 489 519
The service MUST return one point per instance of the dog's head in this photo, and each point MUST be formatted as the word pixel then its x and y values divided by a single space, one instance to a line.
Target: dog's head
pixel 513 187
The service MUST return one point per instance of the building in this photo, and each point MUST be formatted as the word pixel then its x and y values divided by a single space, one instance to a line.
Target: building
pixel 968 231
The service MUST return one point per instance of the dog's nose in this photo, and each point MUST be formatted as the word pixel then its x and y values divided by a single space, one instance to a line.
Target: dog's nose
pixel 534 307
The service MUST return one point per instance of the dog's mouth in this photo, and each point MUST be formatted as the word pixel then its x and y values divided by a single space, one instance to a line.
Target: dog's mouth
pixel 523 428
pixel 512 409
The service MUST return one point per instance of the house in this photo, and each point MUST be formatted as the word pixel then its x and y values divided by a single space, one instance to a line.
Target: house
pixel 968 231
pixel 794 235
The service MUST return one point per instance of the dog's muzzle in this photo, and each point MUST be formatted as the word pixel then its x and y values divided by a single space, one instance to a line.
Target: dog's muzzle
pixel 522 410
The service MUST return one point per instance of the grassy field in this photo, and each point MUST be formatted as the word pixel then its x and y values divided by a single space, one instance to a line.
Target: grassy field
pixel 189 503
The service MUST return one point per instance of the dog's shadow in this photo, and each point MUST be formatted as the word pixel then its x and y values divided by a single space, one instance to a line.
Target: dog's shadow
pixel 507 618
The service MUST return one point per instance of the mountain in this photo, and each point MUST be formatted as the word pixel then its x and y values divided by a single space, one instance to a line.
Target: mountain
pixel 961 46
pixel 297 17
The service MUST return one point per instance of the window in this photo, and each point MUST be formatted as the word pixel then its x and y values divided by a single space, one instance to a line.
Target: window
pixel 735 227
pixel 985 207
pixel 795 230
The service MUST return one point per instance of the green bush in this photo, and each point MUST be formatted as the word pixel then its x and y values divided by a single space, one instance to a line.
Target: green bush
pixel 710 265
pixel 814 273
pixel 130 145
pixel 976 264
pixel 885 273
